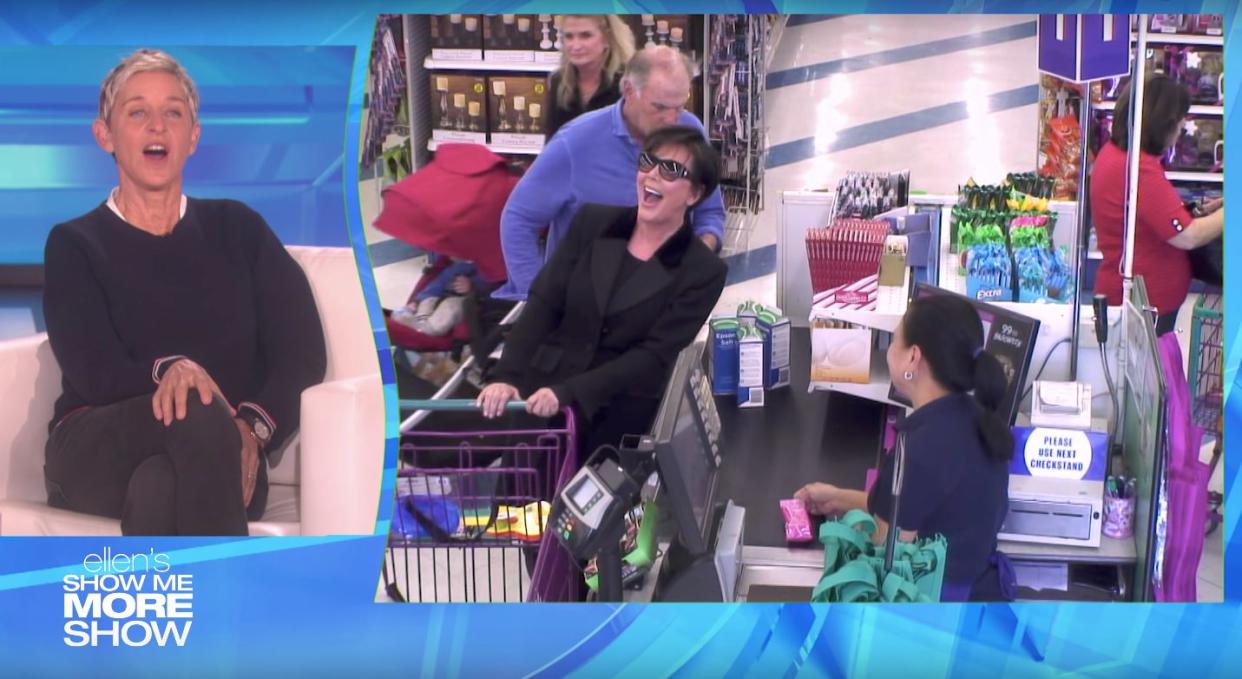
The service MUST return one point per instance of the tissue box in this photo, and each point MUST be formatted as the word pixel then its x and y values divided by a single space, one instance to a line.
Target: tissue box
pixel 840 354
pixel 722 355
pixel 746 312
pixel 775 329
pixel 457 37
pixel 749 367
pixel 458 108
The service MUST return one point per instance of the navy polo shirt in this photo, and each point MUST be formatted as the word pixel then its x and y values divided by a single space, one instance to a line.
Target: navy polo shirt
pixel 951 486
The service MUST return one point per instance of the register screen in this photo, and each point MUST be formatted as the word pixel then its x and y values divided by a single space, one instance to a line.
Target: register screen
pixel 691 450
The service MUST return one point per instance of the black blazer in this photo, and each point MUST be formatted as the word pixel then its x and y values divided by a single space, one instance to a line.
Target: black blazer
pixel 607 95
pixel 591 341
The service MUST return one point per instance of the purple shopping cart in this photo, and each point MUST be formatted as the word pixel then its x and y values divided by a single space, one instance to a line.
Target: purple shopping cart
pixel 1207 362
pixel 471 507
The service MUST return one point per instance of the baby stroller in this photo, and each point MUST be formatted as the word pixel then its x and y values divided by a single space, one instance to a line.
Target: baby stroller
pixel 452 207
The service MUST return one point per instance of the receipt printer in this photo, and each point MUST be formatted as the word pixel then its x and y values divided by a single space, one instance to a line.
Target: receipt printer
pixel 1061 405
pixel 1056 487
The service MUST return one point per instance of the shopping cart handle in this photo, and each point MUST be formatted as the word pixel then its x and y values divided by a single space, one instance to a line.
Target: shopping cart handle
pixel 451 404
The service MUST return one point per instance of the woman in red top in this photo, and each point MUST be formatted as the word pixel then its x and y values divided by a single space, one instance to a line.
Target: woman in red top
pixel 1166 229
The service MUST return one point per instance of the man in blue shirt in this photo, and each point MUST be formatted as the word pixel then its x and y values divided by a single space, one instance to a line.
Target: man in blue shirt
pixel 594 159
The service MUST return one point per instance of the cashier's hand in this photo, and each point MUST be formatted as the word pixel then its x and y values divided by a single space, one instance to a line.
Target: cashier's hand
pixel 543 403
pixel 1211 206
pixel 493 398
pixel 820 498
pixel 711 241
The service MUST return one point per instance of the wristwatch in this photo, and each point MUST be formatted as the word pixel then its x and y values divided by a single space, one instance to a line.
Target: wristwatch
pixel 258 425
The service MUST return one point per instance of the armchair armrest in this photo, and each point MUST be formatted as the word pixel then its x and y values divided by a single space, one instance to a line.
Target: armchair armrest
pixel 342 456
pixel 30 383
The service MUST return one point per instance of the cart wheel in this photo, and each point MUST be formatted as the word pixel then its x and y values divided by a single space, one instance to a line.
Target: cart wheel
pixel 394 593
pixel 1214 517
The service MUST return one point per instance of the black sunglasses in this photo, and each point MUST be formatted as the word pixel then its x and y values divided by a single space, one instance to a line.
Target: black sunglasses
pixel 670 170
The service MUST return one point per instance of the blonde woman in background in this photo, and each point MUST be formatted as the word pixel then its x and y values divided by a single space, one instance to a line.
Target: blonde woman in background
pixel 597 48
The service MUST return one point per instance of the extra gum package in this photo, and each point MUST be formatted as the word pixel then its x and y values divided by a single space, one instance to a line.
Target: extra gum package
pixel 797 521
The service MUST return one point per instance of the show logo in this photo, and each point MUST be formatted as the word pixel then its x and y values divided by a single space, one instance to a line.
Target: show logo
pixel 128 600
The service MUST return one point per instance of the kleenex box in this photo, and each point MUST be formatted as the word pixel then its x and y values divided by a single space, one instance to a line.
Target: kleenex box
pixel 749 367
pixel 746 312
pixel 775 330
pixel 723 355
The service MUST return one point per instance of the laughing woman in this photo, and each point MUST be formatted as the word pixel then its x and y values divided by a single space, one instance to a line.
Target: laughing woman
pixel 626 290
pixel 184 330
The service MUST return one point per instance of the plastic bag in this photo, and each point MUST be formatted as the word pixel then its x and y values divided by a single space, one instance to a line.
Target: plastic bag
pixel 854 565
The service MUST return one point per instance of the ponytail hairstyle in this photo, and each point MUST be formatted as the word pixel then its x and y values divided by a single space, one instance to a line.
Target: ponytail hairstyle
pixel 947 331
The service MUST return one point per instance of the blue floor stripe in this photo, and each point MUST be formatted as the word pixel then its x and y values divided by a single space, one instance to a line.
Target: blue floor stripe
pixel 879 130
pixel 752 264
pixel 804 19
pixel 802 74
pixel 391 251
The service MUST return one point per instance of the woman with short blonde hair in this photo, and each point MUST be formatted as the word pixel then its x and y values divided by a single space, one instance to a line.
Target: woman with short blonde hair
pixel 184 331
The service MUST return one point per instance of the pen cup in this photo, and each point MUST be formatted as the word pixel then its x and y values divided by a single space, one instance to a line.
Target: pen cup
pixel 1118 516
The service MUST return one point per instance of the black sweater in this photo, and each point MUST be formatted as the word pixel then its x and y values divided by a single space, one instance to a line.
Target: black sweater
pixel 607 95
pixel 219 289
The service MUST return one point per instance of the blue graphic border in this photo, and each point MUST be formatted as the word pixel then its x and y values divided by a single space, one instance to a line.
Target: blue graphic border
pixel 306 603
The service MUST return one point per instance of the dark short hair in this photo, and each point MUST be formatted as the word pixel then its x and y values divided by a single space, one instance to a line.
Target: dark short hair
pixel 1165 103
pixel 704 161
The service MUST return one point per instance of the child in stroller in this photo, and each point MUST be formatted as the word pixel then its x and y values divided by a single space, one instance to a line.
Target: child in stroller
pixel 439 307
pixel 450 207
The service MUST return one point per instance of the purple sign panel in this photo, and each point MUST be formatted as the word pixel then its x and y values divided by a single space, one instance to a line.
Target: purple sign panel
pixel 1084 47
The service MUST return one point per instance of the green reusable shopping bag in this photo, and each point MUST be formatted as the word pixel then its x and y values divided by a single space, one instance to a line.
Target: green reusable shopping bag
pixel 854 565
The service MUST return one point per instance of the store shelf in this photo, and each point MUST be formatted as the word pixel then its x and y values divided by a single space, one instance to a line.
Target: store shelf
pixel 877 390
pixel 1184 39
pixel 1197 110
pixel 494 148
pixel 1195 176
pixel 521 67
pixel 875 320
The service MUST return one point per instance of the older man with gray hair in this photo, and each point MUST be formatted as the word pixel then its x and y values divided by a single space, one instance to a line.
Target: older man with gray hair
pixel 594 159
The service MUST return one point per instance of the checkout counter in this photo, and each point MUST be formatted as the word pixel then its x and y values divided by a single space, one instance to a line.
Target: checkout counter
pixel 764 455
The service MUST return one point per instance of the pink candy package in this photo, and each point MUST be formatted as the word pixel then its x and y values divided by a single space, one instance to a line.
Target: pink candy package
pixel 797 521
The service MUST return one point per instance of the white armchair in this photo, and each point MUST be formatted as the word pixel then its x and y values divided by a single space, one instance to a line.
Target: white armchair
pixel 327 480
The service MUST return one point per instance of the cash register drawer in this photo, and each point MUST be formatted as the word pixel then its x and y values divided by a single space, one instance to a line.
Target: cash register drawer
pixel 1064 520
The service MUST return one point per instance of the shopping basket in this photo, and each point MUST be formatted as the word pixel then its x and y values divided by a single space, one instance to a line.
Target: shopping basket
pixel 471 507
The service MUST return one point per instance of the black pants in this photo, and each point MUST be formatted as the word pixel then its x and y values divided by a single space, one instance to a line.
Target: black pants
pixel 184 479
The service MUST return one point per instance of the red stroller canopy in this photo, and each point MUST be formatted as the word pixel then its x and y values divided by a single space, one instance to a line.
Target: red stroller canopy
pixel 452 207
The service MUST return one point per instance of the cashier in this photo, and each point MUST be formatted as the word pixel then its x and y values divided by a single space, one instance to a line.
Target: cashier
pixel 957 448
